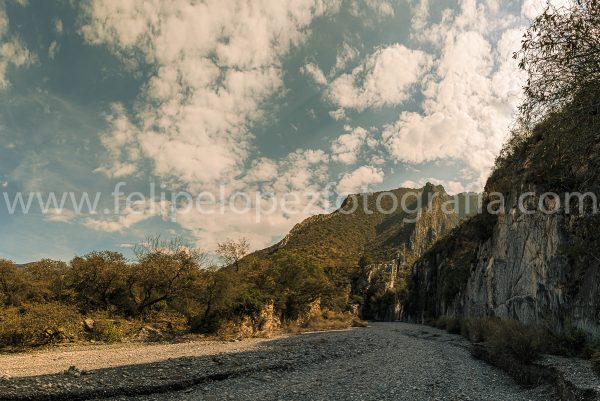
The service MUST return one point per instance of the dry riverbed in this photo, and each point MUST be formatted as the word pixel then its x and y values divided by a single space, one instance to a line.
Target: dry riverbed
pixel 387 361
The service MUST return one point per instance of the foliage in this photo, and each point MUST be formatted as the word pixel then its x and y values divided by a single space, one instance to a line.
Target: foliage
pixel 328 320
pixel 107 331
pixel 38 324
pixel 232 251
pixel 558 125
pixel 596 362
pixel 561 55
pixel 96 279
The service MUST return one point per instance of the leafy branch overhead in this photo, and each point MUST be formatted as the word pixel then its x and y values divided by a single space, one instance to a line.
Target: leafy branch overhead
pixel 561 55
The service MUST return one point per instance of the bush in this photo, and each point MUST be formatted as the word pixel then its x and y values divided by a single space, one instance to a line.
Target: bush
pixel 522 342
pixel 440 323
pixel 453 326
pixel 596 362
pixel 39 324
pixel 476 330
pixel 571 342
pixel 328 320
pixel 107 331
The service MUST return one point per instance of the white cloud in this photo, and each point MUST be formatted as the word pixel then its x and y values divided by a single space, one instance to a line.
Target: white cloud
pixel 12 50
pixel 344 55
pixel 299 179
pixel 420 10
pixel 383 8
pixel 303 170
pixel 470 101
pixel 339 114
pixel 53 49
pixel 359 180
pixel 216 63
pixel 312 70
pixel 59 215
pixel 58 26
pixel 386 78
pixel 346 147
pixel 263 170
pixel 129 216
pixel 121 144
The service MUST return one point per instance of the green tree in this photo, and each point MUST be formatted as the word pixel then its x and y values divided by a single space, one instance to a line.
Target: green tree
pixel 561 55
pixel 15 285
pixel 97 278
pixel 165 271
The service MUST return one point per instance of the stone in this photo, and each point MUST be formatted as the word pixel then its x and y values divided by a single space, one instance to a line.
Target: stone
pixel 88 324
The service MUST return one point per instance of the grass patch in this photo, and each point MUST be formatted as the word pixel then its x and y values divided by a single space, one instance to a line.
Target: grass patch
pixel 107 331
pixel 35 325
pixel 328 320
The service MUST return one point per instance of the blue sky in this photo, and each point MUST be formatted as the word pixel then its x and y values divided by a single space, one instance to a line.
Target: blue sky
pixel 281 97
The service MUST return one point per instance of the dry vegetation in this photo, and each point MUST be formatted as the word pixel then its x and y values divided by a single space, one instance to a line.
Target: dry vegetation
pixel 168 290
pixel 514 346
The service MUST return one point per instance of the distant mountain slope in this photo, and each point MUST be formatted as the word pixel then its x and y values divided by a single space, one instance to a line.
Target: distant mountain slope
pixel 359 228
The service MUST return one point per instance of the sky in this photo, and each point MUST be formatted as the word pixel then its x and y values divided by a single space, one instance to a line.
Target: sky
pixel 154 107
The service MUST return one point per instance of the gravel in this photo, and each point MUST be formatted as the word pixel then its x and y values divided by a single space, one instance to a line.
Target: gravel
pixel 387 361
pixel 100 356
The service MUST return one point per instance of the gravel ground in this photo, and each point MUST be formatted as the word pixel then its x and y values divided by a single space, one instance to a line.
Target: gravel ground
pixel 387 361
pixel 93 357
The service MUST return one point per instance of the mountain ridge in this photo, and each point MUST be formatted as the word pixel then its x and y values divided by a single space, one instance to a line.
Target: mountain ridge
pixel 340 239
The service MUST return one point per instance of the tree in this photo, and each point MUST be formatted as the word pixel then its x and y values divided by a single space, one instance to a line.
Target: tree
pixel 50 278
pixel 15 285
pixel 97 278
pixel 561 55
pixel 165 271
pixel 232 251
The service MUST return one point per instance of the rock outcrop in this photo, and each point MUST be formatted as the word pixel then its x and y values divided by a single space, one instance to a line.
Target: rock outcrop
pixel 535 256
pixel 523 269
pixel 382 287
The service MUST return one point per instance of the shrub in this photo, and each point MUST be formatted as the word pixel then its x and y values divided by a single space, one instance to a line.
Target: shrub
pixel 572 341
pixel 453 326
pixel 328 320
pixel 440 323
pixel 476 330
pixel 519 341
pixel 39 324
pixel 596 362
pixel 107 331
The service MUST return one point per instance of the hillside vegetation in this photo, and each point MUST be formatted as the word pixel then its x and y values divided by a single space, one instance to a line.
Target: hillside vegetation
pixel 340 239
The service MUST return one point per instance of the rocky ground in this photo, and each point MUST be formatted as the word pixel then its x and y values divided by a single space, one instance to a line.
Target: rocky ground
pixel 387 361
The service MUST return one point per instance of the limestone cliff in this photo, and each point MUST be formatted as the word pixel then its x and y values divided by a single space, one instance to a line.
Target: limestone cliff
pixel 381 288
pixel 539 263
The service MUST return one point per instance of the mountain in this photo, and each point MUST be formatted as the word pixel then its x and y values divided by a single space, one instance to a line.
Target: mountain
pixel 368 245
pixel 361 228
pixel 538 258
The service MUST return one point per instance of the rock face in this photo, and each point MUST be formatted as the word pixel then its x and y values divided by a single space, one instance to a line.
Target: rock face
pixel 536 256
pixel 525 265
pixel 382 287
